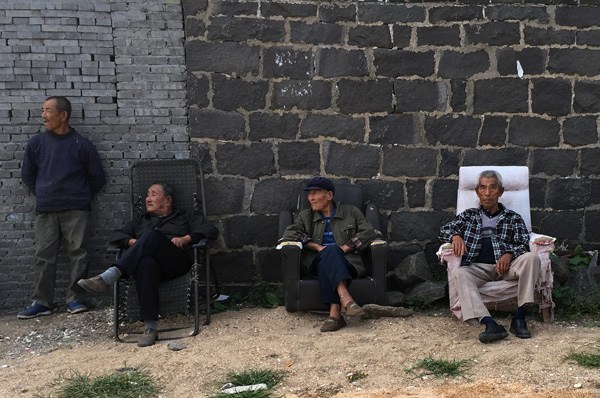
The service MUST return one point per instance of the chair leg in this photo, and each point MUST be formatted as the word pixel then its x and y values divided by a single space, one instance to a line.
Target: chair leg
pixel 116 315
pixel 195 275
pixel 546 314
pixel 207 264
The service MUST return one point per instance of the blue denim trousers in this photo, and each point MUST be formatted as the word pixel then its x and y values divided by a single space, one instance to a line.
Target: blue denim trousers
pixel 332 268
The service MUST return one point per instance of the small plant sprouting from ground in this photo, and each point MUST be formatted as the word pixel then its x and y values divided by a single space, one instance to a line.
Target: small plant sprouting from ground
pixel 129 383
pixel 586 360
pixel 251 377
pixel 263 296
pixel 439 367
pixel 570 305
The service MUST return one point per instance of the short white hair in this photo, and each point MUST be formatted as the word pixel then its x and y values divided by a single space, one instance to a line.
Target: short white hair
pixel 491 174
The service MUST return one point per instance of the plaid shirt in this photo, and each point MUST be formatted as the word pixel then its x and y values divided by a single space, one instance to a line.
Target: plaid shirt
pixel 511 233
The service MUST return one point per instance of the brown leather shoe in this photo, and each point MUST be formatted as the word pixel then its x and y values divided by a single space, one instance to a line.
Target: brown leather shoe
pixel 352 309
pixel 333 324
pixel 148 338
pixel 94 285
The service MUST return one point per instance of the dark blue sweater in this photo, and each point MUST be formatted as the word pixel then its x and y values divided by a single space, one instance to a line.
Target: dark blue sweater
pixel 63 172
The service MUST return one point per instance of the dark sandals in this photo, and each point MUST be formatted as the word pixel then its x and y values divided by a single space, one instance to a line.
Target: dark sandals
pixel 352 309
pixel 333 324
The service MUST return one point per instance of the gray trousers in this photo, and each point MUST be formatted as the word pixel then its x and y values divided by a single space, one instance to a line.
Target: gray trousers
pixel 50 228
pixel 468 279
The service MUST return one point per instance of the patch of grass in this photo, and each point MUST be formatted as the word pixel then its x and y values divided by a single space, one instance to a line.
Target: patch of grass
pixel 572 306
pixel 439 367
pixel 261 296
pixel 250 377
pixel 130 383
pixel 586 360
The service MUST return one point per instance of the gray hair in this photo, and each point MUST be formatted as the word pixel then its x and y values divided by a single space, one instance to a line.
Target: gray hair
pixel 491 174
pixel 62 104
pixel 167 189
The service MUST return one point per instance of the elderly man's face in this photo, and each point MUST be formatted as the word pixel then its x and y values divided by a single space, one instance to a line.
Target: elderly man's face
pixel 320 199
pixel 156 201
pixel 54 120
pixel 488 192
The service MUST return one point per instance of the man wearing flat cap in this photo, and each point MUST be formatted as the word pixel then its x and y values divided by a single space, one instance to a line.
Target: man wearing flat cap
pixel 333 235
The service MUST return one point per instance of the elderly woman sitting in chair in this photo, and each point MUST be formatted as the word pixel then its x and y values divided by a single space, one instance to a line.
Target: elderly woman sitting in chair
pixel 332 234
pixel 159 248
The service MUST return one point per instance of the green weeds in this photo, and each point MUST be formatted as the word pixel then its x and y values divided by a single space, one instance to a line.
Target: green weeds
pixel 439 367
pixel 129 383
pixel 250 377
pixel 586 360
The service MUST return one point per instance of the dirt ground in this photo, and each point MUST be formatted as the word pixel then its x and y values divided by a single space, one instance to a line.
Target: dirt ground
pixel 34 354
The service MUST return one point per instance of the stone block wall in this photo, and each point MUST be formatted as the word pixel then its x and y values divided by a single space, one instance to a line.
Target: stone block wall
pixel 264 94
pixel 395 96
pixel 122 64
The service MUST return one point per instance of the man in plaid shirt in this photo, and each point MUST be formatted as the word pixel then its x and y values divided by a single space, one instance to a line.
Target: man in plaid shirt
pixel 494 244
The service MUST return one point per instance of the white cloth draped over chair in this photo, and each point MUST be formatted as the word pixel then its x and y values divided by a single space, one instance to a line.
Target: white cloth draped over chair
pixel 501 295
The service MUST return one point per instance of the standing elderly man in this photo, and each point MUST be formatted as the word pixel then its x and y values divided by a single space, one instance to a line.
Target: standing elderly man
pixel 493 242
pixel 63 170
pixel 333 235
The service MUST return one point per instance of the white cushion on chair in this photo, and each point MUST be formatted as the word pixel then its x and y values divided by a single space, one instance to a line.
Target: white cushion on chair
pixel 516 189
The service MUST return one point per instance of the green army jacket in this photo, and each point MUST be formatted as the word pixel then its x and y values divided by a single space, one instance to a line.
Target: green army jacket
pixel 349 227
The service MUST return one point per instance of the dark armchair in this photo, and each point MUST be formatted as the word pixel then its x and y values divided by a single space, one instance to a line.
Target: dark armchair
pixel 301 293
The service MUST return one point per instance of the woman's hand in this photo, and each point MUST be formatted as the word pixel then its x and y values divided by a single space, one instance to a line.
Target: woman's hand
pixel 181 241
pixel 131 242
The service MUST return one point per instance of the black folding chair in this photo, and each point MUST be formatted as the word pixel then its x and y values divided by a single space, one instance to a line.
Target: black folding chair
pixel 180 295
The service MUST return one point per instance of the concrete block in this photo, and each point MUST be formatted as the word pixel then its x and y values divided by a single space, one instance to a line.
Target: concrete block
pixel 551 97
pixel 390 13
pixel 459 65
pixel 391 129
pixel 273 125
pixel 362 96
pixel 299 158
pixel 493 33
pixel 501 95
pixel 454 130
pixel 287 62
pixel 302 94
pixel 332 62
pixel 558 162
pixel 410 162
pixel 365 160
pixel 338 126
pixel 527 131
pixel 252 161
pixel 316 33
pixel 395 63
pixel 420 95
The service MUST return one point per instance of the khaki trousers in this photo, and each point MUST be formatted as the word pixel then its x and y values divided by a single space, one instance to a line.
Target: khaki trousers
pixel 50 228
pixel 468 279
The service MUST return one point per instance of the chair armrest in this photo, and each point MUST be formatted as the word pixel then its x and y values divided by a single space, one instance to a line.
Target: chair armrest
pixel 290 258
pixel 202 244
pixel 446 256
pixel 114 249
pixel 378 251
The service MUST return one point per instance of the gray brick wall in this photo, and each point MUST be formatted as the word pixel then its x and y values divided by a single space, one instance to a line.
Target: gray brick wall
pixel 122 64
pixel 396 96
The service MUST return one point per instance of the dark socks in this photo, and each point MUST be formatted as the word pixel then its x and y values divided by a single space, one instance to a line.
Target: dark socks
pixel 488 321
pixel 520 314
